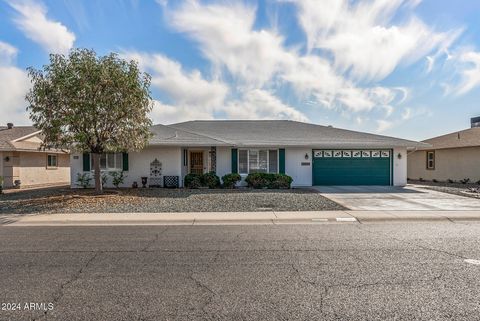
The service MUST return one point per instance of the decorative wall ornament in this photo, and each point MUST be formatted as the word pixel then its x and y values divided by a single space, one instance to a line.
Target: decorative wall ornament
pixel 155 173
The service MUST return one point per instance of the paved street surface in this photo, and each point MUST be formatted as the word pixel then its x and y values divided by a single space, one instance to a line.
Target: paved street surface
pixel 328 271
pixel 394 198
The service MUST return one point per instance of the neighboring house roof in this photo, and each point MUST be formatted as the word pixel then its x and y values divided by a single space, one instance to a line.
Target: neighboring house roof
pixel 19 138
pixel 287 133
pixel 464 138
pixel 8 136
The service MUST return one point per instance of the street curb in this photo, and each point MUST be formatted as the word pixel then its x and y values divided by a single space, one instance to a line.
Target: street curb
pixel 237 218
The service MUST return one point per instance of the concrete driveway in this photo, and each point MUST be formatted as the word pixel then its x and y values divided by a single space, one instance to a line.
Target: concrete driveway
pixel 375 198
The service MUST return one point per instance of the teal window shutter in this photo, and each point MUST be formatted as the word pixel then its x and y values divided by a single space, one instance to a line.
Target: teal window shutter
pixel 86 162
pixel 125 162
pixel 281 161
pixel 234 160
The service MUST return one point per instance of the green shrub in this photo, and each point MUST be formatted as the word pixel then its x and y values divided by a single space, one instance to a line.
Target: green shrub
pixel 230 180
pixel 117 178
pixel 268 180
pixel 211 180
pixel 84 180
pixel 258 180
pixel 281 181
pixel 192 181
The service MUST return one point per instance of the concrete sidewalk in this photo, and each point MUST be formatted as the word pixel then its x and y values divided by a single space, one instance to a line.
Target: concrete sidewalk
pixel 235 218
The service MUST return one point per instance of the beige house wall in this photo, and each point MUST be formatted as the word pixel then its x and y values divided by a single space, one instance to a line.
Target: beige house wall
pixel 452 163
pixel 31 169
pixel 10 170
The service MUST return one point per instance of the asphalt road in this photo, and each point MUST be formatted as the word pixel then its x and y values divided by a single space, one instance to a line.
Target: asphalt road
pixel 342 271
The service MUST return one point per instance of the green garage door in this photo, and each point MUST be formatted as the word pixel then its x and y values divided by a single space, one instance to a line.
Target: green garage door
pixel 352 167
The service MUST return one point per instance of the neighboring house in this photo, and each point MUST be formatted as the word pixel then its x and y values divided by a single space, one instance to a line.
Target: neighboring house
pixel 454 156
pixel 23 163
pixel 310 154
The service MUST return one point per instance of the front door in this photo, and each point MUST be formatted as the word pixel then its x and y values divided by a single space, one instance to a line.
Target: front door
pixel 196 162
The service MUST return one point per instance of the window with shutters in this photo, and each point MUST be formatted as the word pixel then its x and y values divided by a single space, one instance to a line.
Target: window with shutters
pixel 109 161
pixel 257 161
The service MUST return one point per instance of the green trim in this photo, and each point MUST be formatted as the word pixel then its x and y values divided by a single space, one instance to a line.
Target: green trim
pixel 234 160
pixel 86 162
pixel 125 162
pixel 391 166
pixel 281 160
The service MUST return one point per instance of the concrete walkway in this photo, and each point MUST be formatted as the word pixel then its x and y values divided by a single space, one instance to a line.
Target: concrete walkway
pixel 392 198
pixel 235 218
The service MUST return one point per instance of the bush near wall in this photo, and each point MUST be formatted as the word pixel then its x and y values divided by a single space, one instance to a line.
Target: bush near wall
pixel 192 181
pixel 230 180
pixel 268 180
pixel 209 180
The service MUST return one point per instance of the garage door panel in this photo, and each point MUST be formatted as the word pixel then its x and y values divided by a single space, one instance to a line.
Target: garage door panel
pixel 351 171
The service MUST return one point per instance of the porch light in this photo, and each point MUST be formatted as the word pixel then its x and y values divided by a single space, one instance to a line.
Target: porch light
pixel 399 156
pixel 306 156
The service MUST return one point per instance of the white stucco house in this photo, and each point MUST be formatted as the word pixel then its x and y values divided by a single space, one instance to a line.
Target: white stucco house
pixel 311 154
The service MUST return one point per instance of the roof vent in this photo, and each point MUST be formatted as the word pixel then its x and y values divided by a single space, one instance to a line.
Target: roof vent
pixel 475 122
pixel 9 125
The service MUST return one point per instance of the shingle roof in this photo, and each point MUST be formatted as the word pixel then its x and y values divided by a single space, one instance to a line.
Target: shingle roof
pixel 167 135
pixel 7 136
pixel 464 138
pixel 288 133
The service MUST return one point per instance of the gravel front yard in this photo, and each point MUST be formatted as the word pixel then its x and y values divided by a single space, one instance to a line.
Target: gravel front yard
pixel 163 200
pixel 451 188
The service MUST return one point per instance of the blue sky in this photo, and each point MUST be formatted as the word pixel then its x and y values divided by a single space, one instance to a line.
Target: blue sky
pixel 406 68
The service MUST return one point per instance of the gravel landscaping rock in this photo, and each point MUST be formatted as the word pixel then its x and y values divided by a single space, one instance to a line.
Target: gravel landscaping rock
pixel 451 188
pixel 164 200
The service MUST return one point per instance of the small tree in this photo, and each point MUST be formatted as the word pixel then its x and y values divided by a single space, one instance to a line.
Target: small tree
pixel 91 104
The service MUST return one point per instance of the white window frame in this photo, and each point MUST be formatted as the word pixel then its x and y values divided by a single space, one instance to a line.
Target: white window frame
pixel 258 150
pixel 56 161
pixel 108 169
pixel 430 168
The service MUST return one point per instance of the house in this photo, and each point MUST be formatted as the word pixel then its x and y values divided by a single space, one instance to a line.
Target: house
pixel 23 163
pixel 454 156
pixel 310 154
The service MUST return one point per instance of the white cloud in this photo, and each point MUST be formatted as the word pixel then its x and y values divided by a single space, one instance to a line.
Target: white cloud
pixel 169 114
pixel 8 53
pixel 260 104
pixel 430 63
pixel 364 38
pixel 14 84
pixel 258 59
pixel 226 37
pixel 185 88
pixel 383 125
pixel 32 19
pixel 470 74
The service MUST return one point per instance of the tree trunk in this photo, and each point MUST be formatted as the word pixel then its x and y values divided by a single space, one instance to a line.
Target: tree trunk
pixel 98 174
